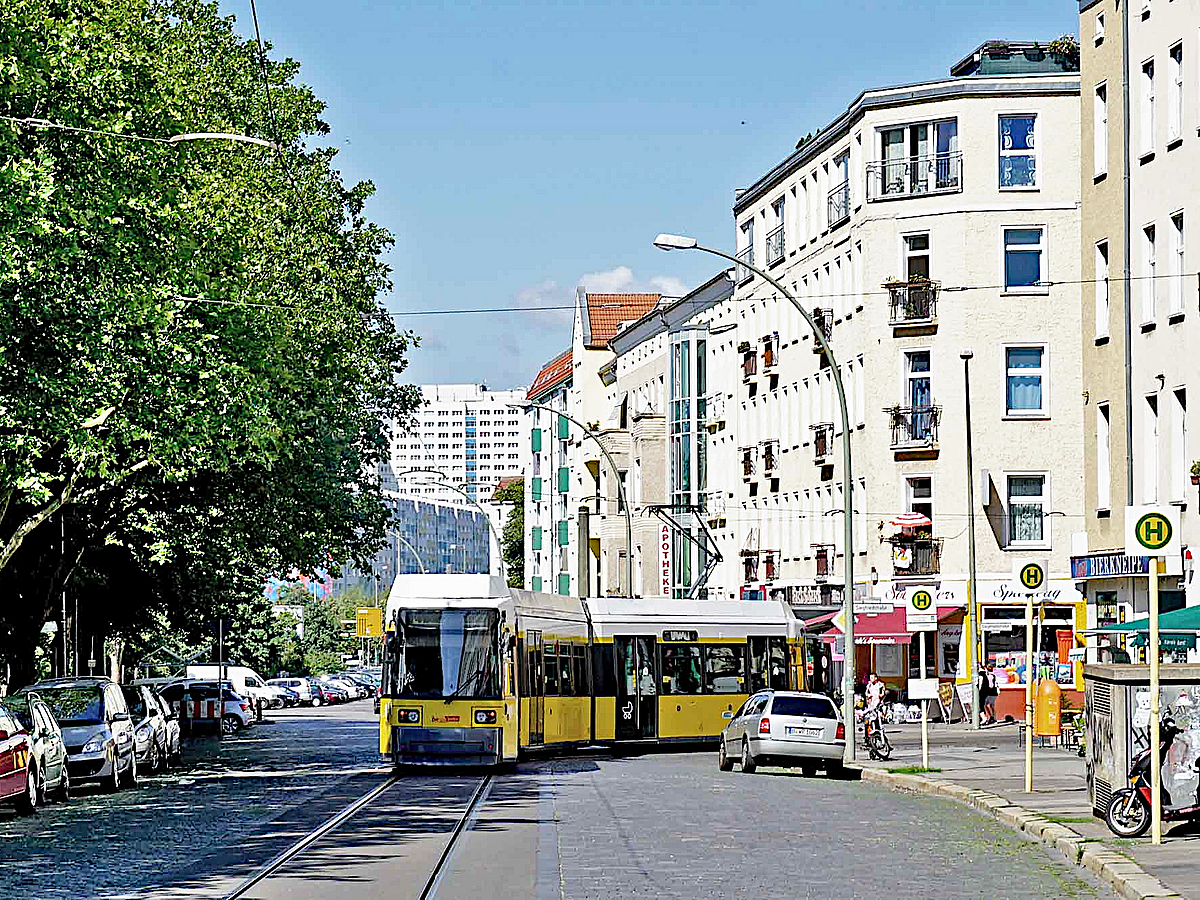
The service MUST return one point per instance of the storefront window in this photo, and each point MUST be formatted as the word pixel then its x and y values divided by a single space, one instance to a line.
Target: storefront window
pixel 1004 640
pixel 889 660
pixel 914 656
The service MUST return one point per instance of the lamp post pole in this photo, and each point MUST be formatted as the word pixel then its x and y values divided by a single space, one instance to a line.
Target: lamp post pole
pixel 616 474
pixel 971 663
pixel 677 242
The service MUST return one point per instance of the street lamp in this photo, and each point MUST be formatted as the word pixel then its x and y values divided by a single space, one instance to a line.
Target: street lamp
pixel 972 609
pixel 681 242
pixel 526 404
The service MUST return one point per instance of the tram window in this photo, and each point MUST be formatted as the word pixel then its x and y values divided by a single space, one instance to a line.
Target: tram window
pixel 758 663
pixel 566 681
pixel 579 670
pixel 603 676
pixel 777 663
pixel 681 669
pixel 724 668
pixel 551 669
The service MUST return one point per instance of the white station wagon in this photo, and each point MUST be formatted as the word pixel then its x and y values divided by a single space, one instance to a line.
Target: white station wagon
pixel 785 728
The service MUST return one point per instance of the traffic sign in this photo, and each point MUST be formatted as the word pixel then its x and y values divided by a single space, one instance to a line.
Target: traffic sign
pixel 1152 531
pixel 920 613
pixel 369 622
pixel 1029 575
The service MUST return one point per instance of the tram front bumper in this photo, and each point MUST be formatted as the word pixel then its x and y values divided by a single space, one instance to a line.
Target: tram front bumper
pixel 447 746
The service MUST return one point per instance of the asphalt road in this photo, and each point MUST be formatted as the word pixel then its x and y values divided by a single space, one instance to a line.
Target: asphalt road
pixel 658 825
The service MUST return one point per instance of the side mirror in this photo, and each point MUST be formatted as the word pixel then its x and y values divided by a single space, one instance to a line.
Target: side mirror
pixel 153 712
pixel 4 735
pixel 120 717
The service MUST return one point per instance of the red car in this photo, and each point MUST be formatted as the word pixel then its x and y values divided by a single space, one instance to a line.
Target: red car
pixel 18 775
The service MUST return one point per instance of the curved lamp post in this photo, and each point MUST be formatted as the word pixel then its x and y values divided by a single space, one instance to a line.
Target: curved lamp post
pixel 679 242
pixel 486 518
pixel 616 475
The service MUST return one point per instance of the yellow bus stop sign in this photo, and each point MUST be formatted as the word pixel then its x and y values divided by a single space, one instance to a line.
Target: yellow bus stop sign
pixel 369 622
pixel 1032 576
pixel 922 600
pixel 1152 531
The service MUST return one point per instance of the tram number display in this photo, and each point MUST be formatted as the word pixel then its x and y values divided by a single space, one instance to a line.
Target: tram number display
pixel 684 636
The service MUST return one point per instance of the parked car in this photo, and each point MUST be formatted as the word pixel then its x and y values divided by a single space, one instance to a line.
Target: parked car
pixel 96 727
pixel 365 682
pixel 785 728
pixel 48 747
pixel 149 727
pixel 236 711
pixel 301 686
pixel 244 681
pixel 290 697
pixel 18 770
pixel 331 691
pixel 355 690
pixel 174 738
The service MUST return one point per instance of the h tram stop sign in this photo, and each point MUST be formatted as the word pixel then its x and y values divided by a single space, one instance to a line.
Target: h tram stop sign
pixel 369 622
pixel 920 613
pixel 1152 531
pixel 1029 575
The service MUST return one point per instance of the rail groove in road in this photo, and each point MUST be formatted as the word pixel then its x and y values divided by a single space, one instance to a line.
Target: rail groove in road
pixel 347 813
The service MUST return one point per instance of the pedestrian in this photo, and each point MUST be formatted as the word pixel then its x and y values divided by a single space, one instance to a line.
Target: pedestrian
pixel 987 694
pixel 875 690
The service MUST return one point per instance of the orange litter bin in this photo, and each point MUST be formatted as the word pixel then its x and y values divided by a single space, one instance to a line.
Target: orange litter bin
pixel 1047 711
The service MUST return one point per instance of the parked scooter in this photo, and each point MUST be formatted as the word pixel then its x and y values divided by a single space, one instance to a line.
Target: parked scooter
pixel 1128 813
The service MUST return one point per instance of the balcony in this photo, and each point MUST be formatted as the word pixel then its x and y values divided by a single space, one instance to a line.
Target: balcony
pixel 822 442
pixel 823 319
pixel 749 362
pixel 914 176
pixel 770 350
pixel 913 303
pixel 743 273
pixel 776 245
pixel 838 204
pixel 770 564
pixel 770 457
pixel 824 560
pixel 750 565
pixel 749 463
pixel 916 556
pixel 915 427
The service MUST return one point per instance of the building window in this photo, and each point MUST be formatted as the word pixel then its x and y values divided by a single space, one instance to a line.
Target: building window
pixel 1101 276
pixel 918 496
pixel 1179 440
pixel 920 158
pixel 1175 100
pixel 1026 376
pixel 777 236
pixel 1024 249
pixel 1018 152
pixel 1147 119
pixel 1149 270
pixel 1150 450
pixel 1177 270
pixel 1103 457
pixel 1025 508
pixel 1098 36
pixel 1100 130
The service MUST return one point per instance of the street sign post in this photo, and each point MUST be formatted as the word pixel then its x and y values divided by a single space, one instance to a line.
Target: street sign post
pixel 920 616
pixel 1030 576
pixel 1153 531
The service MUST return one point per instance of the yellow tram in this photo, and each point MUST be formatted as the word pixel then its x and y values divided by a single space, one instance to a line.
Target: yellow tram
pixel 477 673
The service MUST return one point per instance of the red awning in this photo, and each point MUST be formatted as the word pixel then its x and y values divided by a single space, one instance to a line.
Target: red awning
pixel 823 619
pixel 878 628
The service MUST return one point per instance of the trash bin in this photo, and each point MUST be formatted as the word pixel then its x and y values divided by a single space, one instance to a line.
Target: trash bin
pixel 1047 711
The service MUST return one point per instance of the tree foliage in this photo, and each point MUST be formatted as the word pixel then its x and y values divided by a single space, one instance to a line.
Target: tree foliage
pixel 194 365
pixel 512 538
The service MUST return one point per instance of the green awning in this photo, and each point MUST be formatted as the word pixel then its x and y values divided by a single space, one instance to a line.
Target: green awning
pixel 1179 621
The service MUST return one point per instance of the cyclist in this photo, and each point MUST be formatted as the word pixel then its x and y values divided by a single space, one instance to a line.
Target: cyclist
pixel 875 691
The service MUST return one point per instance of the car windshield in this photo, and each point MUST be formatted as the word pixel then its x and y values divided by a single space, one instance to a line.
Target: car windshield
pixel 136 703
pixel 816 707
pixel 19 707
pixel 83 705
pixel 445 653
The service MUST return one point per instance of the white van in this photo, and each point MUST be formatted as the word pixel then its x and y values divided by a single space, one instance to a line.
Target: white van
pixel 243 680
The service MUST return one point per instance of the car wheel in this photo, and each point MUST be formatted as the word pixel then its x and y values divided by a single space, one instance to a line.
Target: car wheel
pixel 28 802
pixel 230 725
pixel 724 763
pixel 64 786
pixel 316 702
pixel 748 763
pixel 155 757
pixel 835 769
pixel 808 770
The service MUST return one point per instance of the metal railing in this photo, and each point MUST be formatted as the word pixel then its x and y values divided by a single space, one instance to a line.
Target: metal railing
pixel 748 466
pixel 749 364
pixel 770 456
pixel 750 565
pixel 770 353
pixel 913 301
pixel 824 555
pixel 769 565
pixel 822 319
pixel 914 425
pixel 916 556
pixel 743 273
pixel 914 176
pixel 822 440
pixel 776 245
pixel 838 204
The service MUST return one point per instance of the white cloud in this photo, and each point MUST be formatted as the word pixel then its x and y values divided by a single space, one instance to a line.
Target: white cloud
pixel 668 285
pixel 612 281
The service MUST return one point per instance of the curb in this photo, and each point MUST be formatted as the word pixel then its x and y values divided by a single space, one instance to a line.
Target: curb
pixel 1127 878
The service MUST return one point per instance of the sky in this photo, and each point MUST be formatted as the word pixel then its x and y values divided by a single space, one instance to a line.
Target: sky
pixel 522 150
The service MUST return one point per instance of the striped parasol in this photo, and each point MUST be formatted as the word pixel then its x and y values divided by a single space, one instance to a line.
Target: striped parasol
pixel 912 520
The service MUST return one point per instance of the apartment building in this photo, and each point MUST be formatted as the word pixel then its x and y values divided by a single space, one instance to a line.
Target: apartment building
pixel 925 220
pixel 1140 194
pixel 549 563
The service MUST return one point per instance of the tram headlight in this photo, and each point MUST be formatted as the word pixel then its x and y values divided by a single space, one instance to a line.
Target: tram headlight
pixel 485 717
pixel 408 716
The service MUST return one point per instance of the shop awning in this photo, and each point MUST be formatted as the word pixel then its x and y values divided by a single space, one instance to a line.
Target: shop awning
pixel 878 628
pixel 1177 621
pixel 819 621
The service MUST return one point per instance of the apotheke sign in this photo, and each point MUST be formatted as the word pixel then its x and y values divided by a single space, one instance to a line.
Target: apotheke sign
pixel 666 560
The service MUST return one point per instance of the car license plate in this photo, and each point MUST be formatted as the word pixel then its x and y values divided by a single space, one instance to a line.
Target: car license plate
pixel 805 732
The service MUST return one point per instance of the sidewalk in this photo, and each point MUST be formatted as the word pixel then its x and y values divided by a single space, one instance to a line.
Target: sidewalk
pixel 991 762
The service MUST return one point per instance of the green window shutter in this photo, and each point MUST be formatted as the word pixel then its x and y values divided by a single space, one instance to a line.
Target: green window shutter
pixel 537 537
pixel 537 440
pixel 537 582
pixel 536 489
pixel 564 428
pixel 564 534
pixel 564 584
pixel 564 480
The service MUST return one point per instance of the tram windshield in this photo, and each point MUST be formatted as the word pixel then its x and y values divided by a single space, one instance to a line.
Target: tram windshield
pixel 444 653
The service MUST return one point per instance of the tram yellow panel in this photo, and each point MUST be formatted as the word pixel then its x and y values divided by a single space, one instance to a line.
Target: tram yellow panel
pixel 606 718
pixel 695 716
pixel 567 719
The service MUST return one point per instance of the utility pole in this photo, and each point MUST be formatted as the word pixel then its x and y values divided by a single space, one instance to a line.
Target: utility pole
pixel 971 664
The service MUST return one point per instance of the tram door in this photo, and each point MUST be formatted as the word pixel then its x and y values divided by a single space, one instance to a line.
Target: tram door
pixel 536 685
pixel 637 688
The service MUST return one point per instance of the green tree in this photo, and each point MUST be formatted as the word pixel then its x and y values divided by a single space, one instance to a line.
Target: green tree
pixel 512 538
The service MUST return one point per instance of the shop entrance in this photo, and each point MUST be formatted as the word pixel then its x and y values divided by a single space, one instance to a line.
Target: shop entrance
pixel 637 688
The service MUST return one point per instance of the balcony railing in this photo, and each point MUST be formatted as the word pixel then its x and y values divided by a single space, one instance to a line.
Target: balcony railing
pixel 914 176
pixel 745 256
pixel 822 440
pixel 748 463
pixel 750 565
pixel 770 353
pixel 749 364
pixel 839 204
pixel 914 426
pixel 824 558
pixel 770 455
pixel 916 556
pixel 770 560
pixel 823 319
pixel 913 301
pixel 776 245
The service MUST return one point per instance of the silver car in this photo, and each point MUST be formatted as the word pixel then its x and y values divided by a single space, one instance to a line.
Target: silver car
pixel 785 728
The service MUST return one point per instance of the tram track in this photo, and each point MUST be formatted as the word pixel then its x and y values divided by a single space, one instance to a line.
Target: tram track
pixel 278 865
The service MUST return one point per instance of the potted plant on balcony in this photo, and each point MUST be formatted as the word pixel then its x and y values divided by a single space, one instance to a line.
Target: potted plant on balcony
pixel 744 347
pixel 1065 50
pixel 1195 470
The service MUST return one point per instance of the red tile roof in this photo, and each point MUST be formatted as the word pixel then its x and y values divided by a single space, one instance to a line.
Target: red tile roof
pixel 505 482
pixel 553 373
pixel 606 312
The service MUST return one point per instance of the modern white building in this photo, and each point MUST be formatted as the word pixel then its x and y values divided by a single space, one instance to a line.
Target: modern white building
pixel 925 220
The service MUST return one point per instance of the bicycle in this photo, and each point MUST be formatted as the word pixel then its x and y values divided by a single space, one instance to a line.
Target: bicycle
pixel 874 735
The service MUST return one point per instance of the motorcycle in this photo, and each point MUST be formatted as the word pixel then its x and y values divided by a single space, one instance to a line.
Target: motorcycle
pixel 878 745
pixel 1128 813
